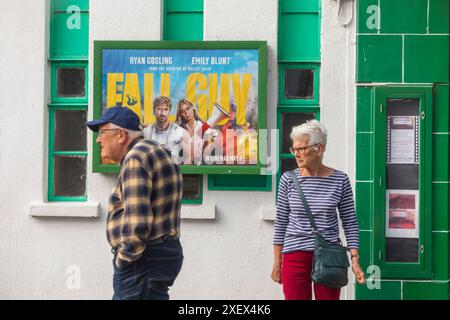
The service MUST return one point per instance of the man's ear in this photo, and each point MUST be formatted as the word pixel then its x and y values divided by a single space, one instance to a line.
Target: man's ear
pixel 123 136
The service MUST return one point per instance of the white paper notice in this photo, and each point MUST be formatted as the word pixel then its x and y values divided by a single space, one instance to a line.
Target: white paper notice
pixel 402 140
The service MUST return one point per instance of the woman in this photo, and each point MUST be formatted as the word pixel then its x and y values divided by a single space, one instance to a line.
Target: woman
pixel 188 118
pixel 326 190
pixel 197 132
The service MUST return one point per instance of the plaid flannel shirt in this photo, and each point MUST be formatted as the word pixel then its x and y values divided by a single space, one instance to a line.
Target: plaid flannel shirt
pixel 145 203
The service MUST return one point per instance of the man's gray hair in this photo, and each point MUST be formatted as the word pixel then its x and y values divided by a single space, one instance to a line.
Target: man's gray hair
pixel 131 133
pixel 316 132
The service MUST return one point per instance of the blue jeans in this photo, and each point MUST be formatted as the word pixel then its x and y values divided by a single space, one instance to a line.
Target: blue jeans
pixel 150 277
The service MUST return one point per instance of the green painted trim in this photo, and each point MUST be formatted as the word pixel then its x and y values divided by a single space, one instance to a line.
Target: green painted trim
pixel 397 270
pixel 69 58
pixel 194 201
pixel 67 199
pixel 164 19
pixel 282 100
pixel 58 5
pixel 184 6
pixel 69 153
pixel 215 187
pixel 68 106
pixel 261 46
pixel 68 100
pixel 287 6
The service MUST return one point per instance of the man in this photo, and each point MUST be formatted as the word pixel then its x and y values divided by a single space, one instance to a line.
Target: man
pixel 167 133
pixel 143 222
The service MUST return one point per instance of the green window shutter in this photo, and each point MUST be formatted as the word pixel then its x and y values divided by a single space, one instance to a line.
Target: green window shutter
pixel 299 31
pixel 69 27
pixel 177 23
pixel 183 20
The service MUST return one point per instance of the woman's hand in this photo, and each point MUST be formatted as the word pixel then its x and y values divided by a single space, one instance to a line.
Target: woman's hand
pixel 359 274
pixel 276 273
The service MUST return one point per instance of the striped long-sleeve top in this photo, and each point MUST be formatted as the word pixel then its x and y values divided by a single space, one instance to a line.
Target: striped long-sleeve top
pixel 324 195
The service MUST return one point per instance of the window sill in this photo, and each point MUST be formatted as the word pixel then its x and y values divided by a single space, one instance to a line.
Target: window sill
pixel 268 213
pixel 89 209
pixel 200 211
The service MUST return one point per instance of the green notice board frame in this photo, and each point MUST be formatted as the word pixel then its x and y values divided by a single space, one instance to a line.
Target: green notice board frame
pixel 403 270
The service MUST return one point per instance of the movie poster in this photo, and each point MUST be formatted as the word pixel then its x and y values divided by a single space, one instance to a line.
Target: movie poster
pixel 212 114
pixel 402 213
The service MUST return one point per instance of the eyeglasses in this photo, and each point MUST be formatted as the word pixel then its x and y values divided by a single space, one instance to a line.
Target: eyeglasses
pixel 101 132
pixel 301 149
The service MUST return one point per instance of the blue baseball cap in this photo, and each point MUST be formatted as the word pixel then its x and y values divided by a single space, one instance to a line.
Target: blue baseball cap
pixel 121 116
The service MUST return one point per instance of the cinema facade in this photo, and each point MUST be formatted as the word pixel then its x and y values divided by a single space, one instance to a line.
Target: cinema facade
pixel 375 72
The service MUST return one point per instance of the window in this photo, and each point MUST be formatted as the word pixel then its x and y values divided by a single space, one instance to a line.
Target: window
pixel 299 84
pixel 299 68
pixel 288 118
pixel 67 163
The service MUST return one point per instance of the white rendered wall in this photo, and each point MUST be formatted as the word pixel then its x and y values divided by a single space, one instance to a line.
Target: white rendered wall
pixel 338 94
pixel 229 257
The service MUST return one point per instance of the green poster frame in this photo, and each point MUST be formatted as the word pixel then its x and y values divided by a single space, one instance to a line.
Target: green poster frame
pixel 261 46
pixel 403 270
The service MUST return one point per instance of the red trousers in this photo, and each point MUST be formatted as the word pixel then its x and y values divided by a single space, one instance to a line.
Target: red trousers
pixel 296 278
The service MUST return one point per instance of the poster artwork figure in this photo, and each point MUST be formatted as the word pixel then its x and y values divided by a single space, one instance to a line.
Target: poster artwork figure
pixel 163 131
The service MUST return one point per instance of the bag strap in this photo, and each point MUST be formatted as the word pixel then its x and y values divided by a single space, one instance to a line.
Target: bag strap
pixel 305 203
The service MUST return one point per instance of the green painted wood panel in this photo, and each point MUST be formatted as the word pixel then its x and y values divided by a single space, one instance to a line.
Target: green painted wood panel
pixel 425 291
pixel 440 256
pixel 440 206
pixel 364 166
pixel 363 204
pixel 184 26
pixel 403 16
pixel 368 13
pixel 438 16
pixel 379 58
pixel 69 42
pixel 299 37
pixel 364 109
pixel 426 59
pixel 389 290
pixel 299 5
pixel 441 103
pixel 183 5
pixel 440 157
pixel 365 248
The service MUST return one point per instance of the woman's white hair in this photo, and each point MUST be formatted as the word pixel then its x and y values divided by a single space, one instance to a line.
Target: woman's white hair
pixel 316 132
